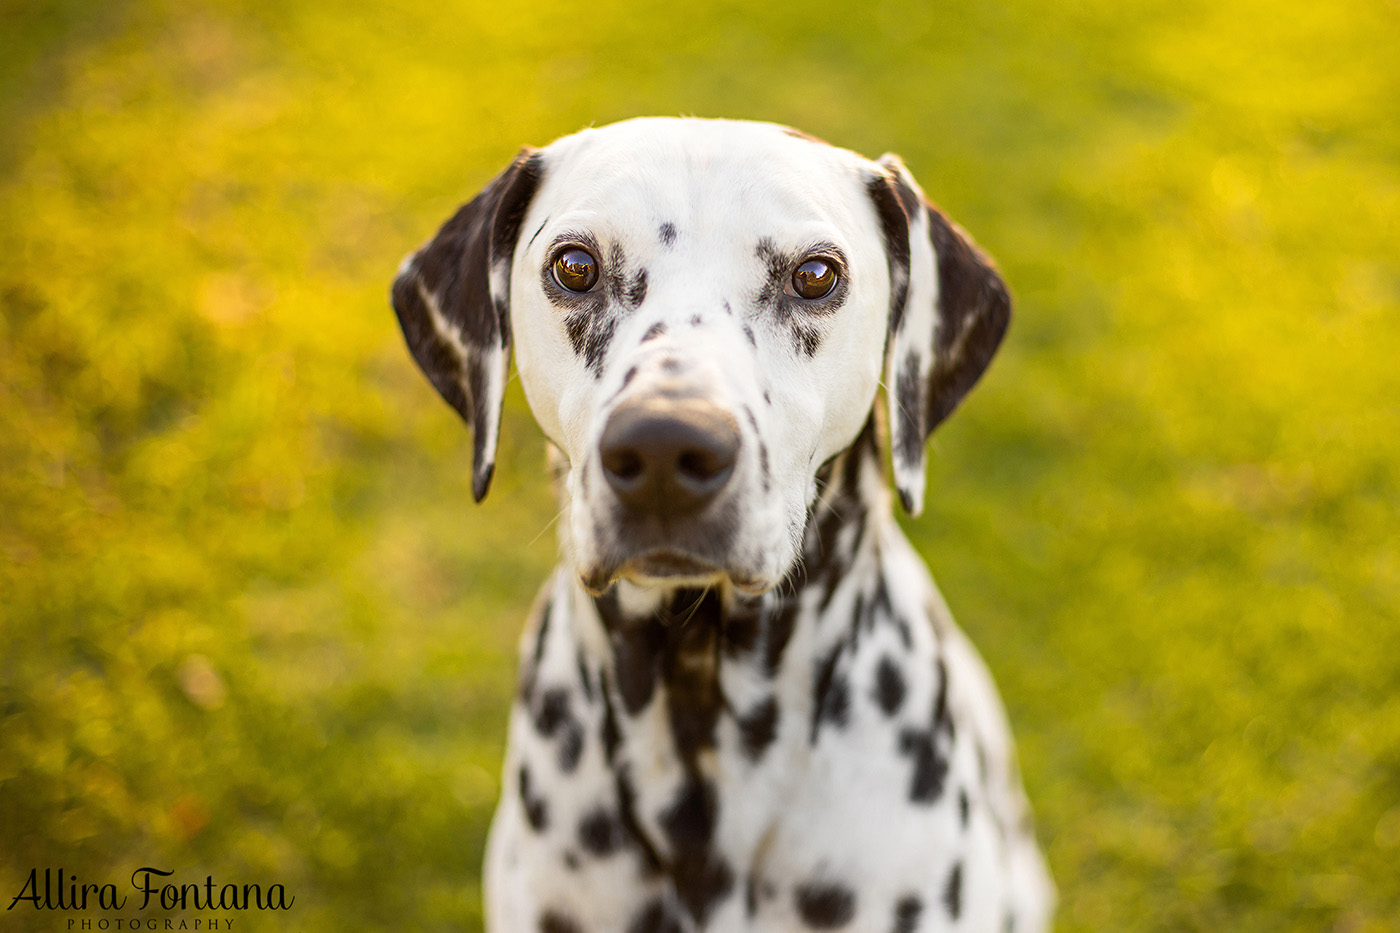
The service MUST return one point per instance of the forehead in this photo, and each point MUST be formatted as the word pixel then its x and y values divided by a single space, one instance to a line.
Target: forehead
pixel 701 176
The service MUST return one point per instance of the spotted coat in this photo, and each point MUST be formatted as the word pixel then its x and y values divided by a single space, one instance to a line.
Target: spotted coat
pixel 758 715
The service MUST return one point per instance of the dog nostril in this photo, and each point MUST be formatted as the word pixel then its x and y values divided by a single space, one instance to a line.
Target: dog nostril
pixel 624 464
pixel 698 465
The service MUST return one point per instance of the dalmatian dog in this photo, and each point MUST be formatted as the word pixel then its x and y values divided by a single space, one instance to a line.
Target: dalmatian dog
pixel 743 704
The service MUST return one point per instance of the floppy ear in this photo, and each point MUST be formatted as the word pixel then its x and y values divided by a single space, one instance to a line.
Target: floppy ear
pixel 452 298
pixel 948 312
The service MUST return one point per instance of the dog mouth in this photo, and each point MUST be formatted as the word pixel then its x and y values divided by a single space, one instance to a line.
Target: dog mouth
pixel 668 566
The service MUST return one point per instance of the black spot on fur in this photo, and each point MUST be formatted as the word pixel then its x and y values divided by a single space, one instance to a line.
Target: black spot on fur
pixel 895 204
pixel 637 655
pixel 741 631
pixel 600 833
pixel 595 348
pixel 701 876
pixel 608 730
pixel 825 906
pixel 964 807
pixel 627 816
pixel 906 914
pixel 571 861
pixel 758 729
pixel 656 330
pixel 637 289
pixel 748 335
pixel 909 393
pixel 829 692
pixel 952 891
pixel 668 234
pixel 806 339
pixel 554 717
pixel 536 810
pixel 780 624
pixel 551 921
pixel 930 767
pixel 629 376
pixel 696 320
pixel 728 308
pixel 654 918
pixel 585 676
pixel 889 686
pixel 690 820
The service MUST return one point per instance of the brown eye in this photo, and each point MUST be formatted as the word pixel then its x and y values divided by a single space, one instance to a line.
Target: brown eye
pixel 576 270
pixel 814 279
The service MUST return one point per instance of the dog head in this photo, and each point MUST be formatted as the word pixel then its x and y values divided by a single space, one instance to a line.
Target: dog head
pixel 702 311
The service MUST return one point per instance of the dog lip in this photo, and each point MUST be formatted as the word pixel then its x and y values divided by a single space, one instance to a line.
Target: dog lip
pixel 667 562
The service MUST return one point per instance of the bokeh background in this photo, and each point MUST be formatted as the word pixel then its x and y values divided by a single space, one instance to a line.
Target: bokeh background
pixel 252 626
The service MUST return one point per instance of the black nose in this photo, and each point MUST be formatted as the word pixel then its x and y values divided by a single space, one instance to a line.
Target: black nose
pixel 668 456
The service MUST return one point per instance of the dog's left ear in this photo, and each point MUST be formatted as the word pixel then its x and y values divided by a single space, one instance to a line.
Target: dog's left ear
pixel 452 298
pixel 948 312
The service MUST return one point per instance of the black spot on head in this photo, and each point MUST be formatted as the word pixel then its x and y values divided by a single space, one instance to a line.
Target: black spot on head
pixel 952 891
pixel 964 807
pixel 552 921
pixel 906 914
pixel 654 331
pixel 728 308
pixel 671 365
pixel 536 810
pixel 766 399
pixel 637 289
pixel 668 234
pixel 595 348
pixel 895 203
pixel 571 861
pixel 758 728
pixel 654 918
pixel 748 335
pixel 825 906
pixel 600 833
pixel 889 686
pixel 628 376
pixel 806 339
pixel 696 320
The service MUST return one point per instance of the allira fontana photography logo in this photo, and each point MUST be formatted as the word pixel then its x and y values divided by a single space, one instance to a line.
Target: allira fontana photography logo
pixel 151 889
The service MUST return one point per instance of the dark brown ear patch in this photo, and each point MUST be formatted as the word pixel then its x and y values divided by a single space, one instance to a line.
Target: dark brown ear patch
pixel 456 328
pixel 974 310
pixel 949 310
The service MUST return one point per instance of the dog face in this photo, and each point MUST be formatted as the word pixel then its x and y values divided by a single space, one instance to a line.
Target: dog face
pixel 701 313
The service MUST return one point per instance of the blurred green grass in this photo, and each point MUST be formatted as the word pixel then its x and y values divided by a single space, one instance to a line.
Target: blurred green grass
pixel 252 625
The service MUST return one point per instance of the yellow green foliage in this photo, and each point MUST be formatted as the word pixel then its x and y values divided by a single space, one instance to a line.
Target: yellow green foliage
pixel 252 626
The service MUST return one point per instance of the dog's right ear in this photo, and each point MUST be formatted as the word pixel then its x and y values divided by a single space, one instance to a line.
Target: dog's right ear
pixel 452 298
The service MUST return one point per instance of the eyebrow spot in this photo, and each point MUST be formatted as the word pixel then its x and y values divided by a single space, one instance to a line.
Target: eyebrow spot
pixel 668 233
